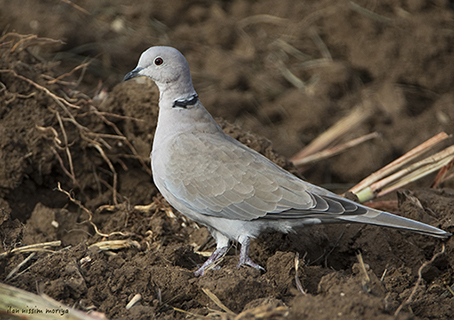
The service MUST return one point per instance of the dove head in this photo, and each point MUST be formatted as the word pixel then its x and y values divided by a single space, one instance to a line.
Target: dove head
pixel 167 67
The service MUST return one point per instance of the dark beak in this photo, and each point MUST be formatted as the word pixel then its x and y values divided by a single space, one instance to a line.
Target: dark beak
pixel 132 74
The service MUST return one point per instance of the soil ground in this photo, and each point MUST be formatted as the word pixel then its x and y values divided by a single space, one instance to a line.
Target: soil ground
pixel 276 74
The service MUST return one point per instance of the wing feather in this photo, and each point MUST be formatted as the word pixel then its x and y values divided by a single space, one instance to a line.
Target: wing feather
pixel 221 177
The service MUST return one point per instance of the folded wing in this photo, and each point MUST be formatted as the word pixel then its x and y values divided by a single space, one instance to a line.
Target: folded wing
pixel 220 177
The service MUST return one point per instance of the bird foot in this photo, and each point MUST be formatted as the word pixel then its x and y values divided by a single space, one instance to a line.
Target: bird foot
pixel 244 256
pixel 218 253
pixel 248 262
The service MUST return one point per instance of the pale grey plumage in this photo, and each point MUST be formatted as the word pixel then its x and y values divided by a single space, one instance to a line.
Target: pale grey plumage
pixel 219 182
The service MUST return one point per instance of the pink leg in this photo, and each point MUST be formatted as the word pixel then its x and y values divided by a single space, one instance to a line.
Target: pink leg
pixel 216 255
pixel 244 256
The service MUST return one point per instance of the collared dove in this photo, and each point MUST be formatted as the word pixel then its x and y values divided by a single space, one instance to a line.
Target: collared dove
pixel 222 184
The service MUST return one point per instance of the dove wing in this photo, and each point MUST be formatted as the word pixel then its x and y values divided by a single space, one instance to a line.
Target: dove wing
pixel 216 175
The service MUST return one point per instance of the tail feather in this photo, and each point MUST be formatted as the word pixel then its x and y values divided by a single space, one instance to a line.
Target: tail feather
pixel 381 218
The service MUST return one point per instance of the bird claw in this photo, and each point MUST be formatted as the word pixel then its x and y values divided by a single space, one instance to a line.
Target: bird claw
pixel 218 253
pixel 244 256
pixel 200 271
pixel 248 262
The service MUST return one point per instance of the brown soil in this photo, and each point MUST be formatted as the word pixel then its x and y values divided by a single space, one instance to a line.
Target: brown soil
pixel 398 55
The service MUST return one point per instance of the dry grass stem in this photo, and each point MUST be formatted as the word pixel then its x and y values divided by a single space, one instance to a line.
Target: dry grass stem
pixel 288 75
pixel 119 116
pixel 403 177
pixel 58 99
pixel 264 312
pixel 25 40
pixel 218 302
pixel 52 131
pixel 205 254
pixel 359 256
pixel 90 215
pixel 418 282
pixel 60 161
pixel 19 304
pixel 449 291
pixel 262 18
pixel 133 301
pixel 34 248
pixel 383 275
pixel 414 172
pixel 63 83
pixel 314 63
pixel 434 159
pixel 20 265
pixel 75 6
pixel 251 20
pixel 327 153
pixel 119 133
pixel 398 163
pixel 320 44
pixel 107 207
pixel 66 149
pixel 95 140
pixel 195 315
pixel 112 169
pixel 372 15
pixel 147 208
pixel 67 74
pixel 288 48
pixel 341 128
pixel 297 279
pixel 442 175
pixel 115 244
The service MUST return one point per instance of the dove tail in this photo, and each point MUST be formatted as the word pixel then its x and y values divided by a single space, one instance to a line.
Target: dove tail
pixel 381 218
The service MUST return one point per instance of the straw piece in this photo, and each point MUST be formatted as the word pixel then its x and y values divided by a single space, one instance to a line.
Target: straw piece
pixel 400 162
pixel 327 153
pixel 218 302
pixel 345 125
pixel 115 244
pixel 34 247
pixel 20 304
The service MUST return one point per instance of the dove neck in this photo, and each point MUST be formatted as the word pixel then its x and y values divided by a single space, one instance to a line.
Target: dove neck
pixel 193 118
pixel 177 91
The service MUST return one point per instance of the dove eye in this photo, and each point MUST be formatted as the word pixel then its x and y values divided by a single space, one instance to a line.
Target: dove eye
pixel 158 61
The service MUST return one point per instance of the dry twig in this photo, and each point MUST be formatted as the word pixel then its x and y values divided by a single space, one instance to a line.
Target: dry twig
pixel 90 215
pixel 67 74
pixel 95 139
pixel 57 99
pixel 119 133
pixel 418 282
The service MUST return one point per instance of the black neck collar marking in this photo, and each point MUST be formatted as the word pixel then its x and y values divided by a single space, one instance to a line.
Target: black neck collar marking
pixel 184 103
